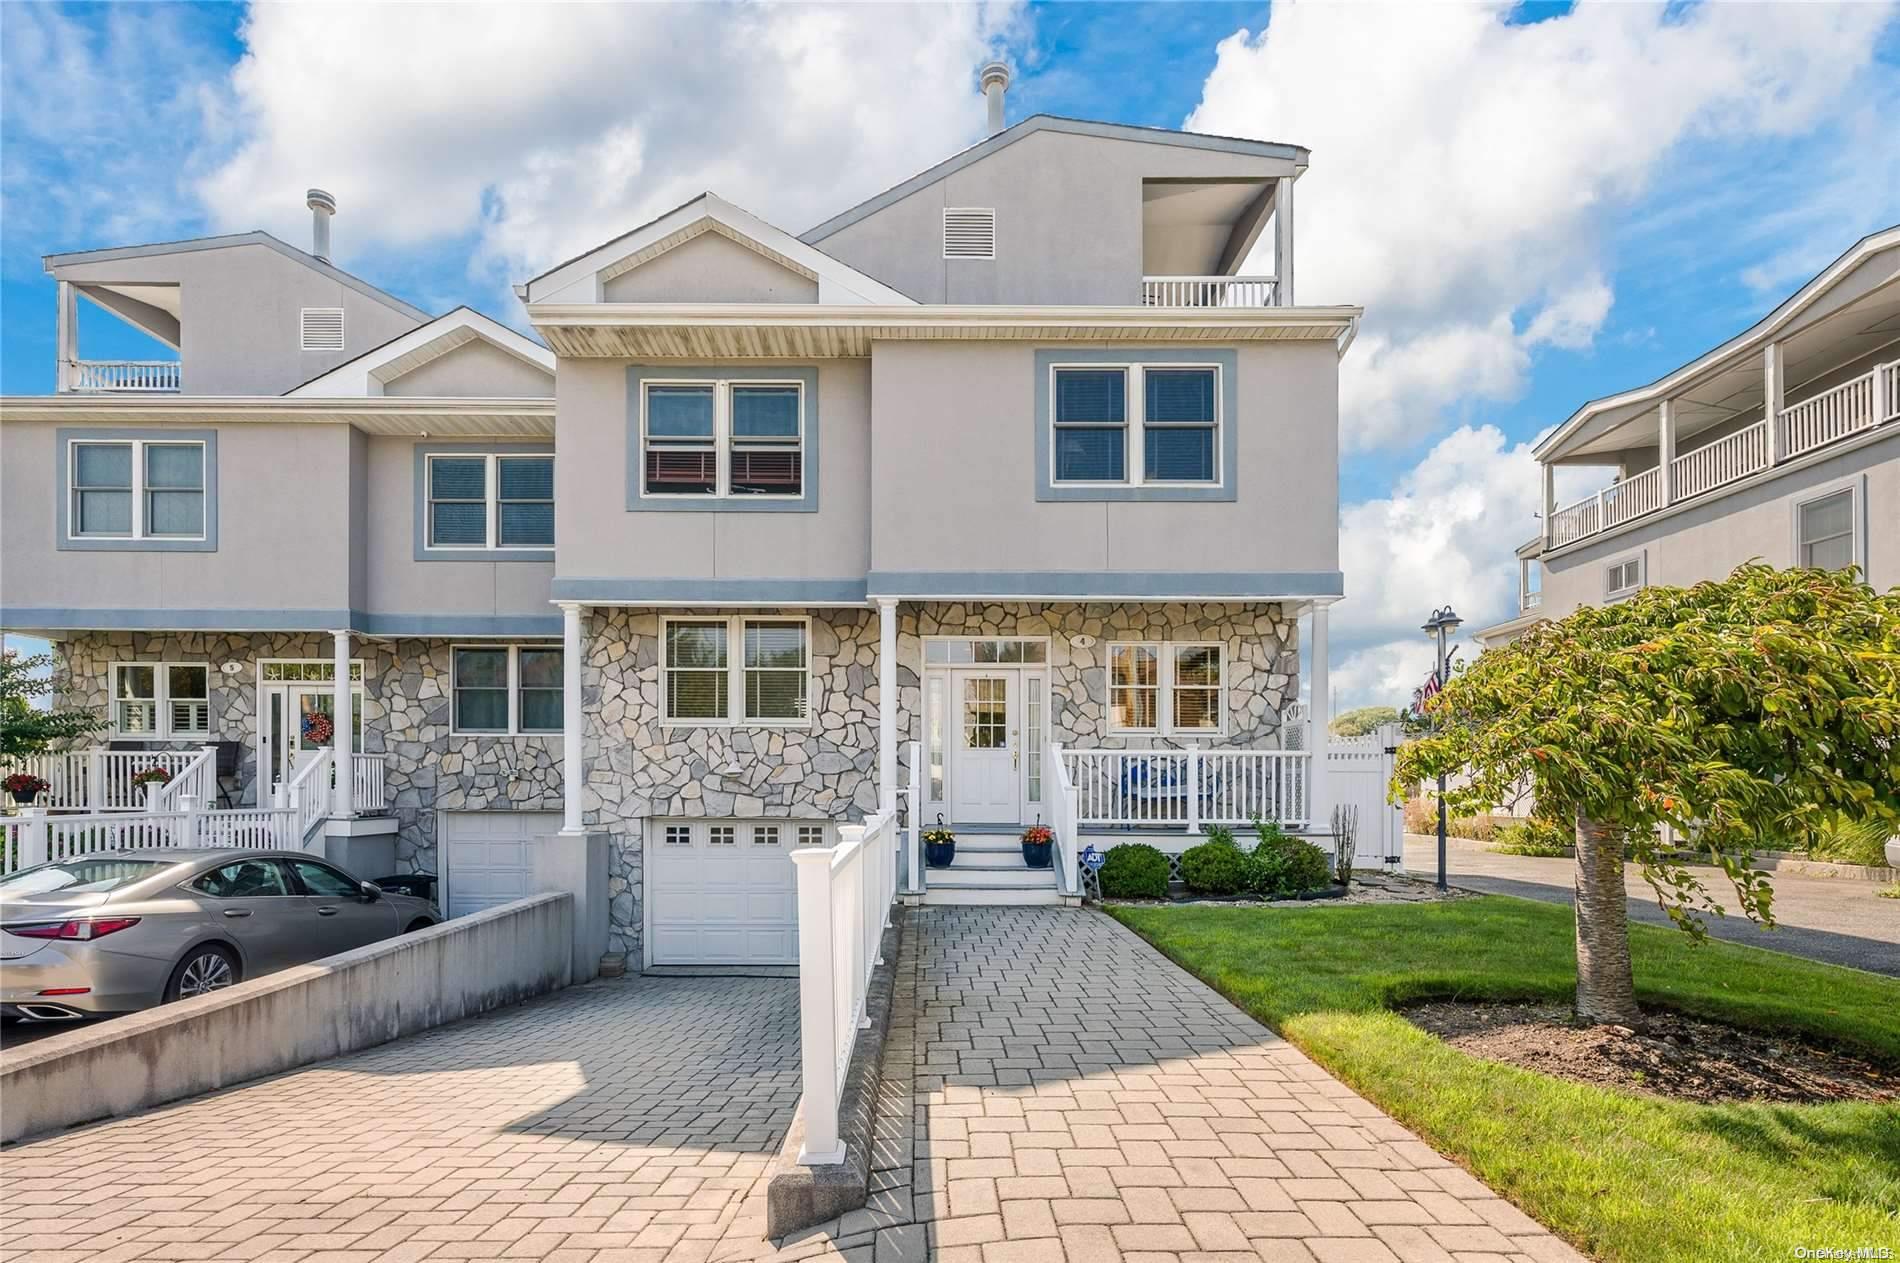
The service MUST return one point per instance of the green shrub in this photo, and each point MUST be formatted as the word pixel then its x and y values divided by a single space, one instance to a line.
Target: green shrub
pixel 1851 842
pixel 1134 871
pixel 1215 867
pixel 1283 865
pixel 1534 836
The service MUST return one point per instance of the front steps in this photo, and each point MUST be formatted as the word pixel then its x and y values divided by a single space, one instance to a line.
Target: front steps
pixel 989 869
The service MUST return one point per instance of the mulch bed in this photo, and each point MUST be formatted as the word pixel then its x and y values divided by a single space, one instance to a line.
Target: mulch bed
pixel 1676 1057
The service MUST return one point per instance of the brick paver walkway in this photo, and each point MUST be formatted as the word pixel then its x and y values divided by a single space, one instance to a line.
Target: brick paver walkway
pixel 1054 1090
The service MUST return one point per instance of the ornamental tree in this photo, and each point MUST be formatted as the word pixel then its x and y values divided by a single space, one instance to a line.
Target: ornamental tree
pixel 26 729
pixel 1742 713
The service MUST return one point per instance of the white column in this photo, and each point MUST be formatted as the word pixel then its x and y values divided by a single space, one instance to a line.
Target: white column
pixel 1550 501
pixel 887 707
pixel 343 703
pixel 1319 705
pixel 573 773
pixel 67 348
pixel 1666 450
pixel 1771 390
pixel 1283 241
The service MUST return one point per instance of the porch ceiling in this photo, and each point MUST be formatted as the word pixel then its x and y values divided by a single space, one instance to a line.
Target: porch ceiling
pixel 395 415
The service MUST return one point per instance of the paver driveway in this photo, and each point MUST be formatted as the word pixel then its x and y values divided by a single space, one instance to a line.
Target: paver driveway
pixel 1054 1089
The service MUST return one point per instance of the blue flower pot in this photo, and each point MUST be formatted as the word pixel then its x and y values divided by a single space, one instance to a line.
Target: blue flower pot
pixel 939 854
pixel 1036 854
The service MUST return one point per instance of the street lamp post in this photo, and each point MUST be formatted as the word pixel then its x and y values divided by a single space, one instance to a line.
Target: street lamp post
pixel 1438 628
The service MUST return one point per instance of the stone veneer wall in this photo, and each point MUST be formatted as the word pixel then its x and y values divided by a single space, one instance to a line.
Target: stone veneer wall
pixel 638 767
pixel 405 716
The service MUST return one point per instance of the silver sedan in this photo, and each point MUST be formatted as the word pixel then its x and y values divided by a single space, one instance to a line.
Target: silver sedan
pixel 124 930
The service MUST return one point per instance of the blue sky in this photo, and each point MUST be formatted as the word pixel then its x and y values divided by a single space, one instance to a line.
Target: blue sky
pixel 1536 204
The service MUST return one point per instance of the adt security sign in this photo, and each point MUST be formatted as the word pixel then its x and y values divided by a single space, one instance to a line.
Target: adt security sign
pixel 1093 858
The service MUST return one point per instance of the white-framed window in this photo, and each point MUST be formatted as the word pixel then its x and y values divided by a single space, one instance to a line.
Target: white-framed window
pixel 679 835
pixel 1623 577
pixel 741 669
pixel 1135 425
pixel 1175 687
pixel 492 501
pixel 161 699
pixel 1530 583
pixel 1826 535
pixel 722 835
pixel 739 439
pixel 504 690
pixel 137 489
pixel 765 835
pixel 811 835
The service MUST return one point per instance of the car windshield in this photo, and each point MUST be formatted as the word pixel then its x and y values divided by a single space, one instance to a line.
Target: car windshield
pixel 91 876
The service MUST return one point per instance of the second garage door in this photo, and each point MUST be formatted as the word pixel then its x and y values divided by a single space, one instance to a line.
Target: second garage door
pixel 723 892
pixel 487 857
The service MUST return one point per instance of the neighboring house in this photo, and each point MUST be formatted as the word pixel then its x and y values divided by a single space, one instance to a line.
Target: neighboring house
pixel 1007 457
pixel 1782 444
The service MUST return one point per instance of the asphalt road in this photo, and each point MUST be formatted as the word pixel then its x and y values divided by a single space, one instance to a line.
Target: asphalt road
pixel 1840 922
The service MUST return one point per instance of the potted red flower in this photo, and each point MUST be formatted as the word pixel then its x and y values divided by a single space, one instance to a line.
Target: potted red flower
pixel 151 776
pixel 1037 839
pixel 25 787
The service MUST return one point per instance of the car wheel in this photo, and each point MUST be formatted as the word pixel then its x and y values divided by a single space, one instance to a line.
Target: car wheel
pixel 202 971
pixel 413 926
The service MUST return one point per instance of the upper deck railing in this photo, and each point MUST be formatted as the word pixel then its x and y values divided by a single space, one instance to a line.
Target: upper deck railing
pixel 121 377
pixel 1209 291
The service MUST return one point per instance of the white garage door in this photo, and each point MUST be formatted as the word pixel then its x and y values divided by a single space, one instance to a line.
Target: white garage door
pixel 488 856
pixel 723 892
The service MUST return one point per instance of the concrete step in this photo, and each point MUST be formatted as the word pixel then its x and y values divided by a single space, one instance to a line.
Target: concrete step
pixel 968 896
pixel 1015 875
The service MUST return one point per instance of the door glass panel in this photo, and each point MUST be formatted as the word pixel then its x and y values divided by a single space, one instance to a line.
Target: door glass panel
pixel 1032 737
pixel 935 738
pixel 985 715
pixel 276 736
pixel 310 705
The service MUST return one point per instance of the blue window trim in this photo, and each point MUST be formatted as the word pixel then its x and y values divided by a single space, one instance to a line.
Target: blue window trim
pixel 1047 489
pixel 423 451
pixel 65 541
pixel 807 499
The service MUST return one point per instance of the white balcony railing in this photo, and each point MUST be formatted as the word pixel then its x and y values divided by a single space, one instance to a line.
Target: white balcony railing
pixel 99 779
pixel 1209 291
pixel 1189 788
pixel 124 376
pixel 1840 412
pixel 35 837
pixel 845 893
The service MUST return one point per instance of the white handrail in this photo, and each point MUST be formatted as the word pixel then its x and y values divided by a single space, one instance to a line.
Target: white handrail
pixel 368 783
pixel 35 837
pixel 307 793
pixel 1208 291
pixel 124 376
pixel 1833 414
pixel 845 895
pixel 99 779
pixel 1189 788
pixel 913 815
pixel 1061 796
pixel 197 778
pixel 1734 456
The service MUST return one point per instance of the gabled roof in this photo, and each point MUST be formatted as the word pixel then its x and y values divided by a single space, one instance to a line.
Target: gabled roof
pixel 417 347
pixel 1746 342
pixel 1295 154
pixel 838 283
pixel 254 238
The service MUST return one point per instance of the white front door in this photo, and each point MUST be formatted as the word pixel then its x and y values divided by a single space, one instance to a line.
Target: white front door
pixel 283 734
pixel 986 748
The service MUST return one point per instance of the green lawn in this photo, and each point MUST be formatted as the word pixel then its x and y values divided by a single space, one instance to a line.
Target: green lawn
pixel 1622 1177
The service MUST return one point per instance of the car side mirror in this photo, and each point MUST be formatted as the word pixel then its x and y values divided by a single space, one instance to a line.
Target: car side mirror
pixel 371 891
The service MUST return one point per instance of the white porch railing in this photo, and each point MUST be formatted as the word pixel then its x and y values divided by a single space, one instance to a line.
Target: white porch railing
pixel 1189 788
pixel 124 376
pixel 1208 291
pixel 368 789
pixel 307 793
pixel 35 837
pixel 101 779
pixel 1736 456
pixel 198 778
pixel 845 894
pixel 1060 794
pixel 913 813
pixel 1832 414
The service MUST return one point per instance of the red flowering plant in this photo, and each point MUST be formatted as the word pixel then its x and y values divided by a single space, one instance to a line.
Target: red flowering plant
pixel 151 776
pixel 1039 835
pixel 25 785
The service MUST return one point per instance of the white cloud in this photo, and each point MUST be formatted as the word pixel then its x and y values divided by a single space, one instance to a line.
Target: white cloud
pixel 1467 171
pixel 539 131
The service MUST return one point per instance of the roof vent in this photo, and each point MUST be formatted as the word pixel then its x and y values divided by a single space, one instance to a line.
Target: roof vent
pixel 322 329
pixel 322 206
pixel 969 232
pixel 995 80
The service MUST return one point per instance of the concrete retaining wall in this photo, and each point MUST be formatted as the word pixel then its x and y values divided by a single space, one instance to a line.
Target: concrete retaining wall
pixel 291 1018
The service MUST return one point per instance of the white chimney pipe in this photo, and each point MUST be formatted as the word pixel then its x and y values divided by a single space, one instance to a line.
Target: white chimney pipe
pixel 995 79
pixel 322 206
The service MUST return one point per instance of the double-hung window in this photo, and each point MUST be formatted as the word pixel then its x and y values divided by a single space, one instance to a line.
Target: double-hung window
pixel 506 689
pixel 1824 531
pixel 137 489
pixel 161 699
pixel 737 670
pixel 723 439
pixel 1135 425
pixel 1170 687
pixel 490 501
pixel 1622 578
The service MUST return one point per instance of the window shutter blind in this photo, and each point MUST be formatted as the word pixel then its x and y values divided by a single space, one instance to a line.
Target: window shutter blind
pixel 322 329
pixel 969 233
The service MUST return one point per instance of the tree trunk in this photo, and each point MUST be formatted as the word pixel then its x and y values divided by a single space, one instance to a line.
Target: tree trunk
pixel 1606 987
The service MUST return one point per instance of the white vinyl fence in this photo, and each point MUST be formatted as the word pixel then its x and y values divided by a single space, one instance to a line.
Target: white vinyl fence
pixel 36 837
pixel 845 893
pixel 1359 774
